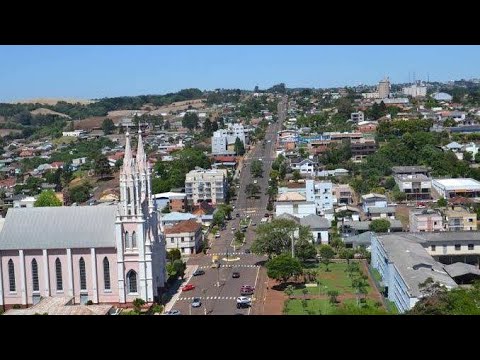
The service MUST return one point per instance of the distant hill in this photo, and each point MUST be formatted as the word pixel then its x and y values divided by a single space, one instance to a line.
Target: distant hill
pixel 52 101
pixel 43 111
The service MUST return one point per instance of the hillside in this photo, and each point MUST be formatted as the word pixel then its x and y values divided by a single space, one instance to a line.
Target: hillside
pixel 52 101
pixel 43 111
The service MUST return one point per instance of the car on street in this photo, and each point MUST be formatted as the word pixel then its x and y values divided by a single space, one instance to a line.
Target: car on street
pixel 254 224
pixel 235 275
pixel 217 235
pixel 247 251
pixel 234 228
pixel 173 312
pixel 247 290
pixel 198 272
pixel 237 215
pixel 188 287
pixel 196 302
pixel 255 181
pixel 243 301
pixel 267 215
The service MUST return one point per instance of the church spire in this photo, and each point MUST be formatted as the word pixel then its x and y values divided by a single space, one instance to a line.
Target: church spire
pixel 127 159
pixel 141 157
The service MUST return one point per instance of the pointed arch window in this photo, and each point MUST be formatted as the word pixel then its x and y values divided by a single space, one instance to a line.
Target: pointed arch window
pixel 58 272
pixel 134 239
pixel 11 276
pixel 132 282
pixel 106 273
pixel 83 274
pixel 35 283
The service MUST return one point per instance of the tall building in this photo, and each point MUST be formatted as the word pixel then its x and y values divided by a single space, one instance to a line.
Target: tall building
pixel 206 185
pixel 319 192
pixel 415 90
pixel 223 140
pixel 384 88
pixel 107 254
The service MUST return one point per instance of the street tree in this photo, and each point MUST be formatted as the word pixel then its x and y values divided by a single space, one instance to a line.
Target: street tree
pixel 274 237
pixel 174 254
pixel 333 296
pixel 219 218
pixel 256 168
pixel 252 190
pixel 239 237
pixel 226 209
pixel 179 267
pixel 283 267
pixel 108 126
pixel 239 148
pixel 47 198
pixel 442 202
pixel 326 255
pixel 379 225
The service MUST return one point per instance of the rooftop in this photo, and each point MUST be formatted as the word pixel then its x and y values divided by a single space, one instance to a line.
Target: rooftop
pixel 188 226
pixel 459 269
pixel 315 222
pixel 169 195
pixel 381 210
pixel 458 183
pixel 291 196
pixel 177 216
pixel 409 169
pixel 413 262
pixel 410 177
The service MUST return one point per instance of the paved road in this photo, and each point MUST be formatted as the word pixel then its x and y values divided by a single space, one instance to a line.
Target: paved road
pixel 217 289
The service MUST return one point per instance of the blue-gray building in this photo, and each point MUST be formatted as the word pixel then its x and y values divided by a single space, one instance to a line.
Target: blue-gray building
pixel 404 263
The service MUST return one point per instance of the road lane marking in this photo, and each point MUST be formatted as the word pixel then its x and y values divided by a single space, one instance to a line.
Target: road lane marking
pixel 256 279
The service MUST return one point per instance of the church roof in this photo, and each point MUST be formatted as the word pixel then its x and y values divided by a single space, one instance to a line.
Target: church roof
pixel 59 227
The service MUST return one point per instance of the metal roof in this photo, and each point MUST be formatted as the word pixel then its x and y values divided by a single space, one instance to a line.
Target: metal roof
pixel 59 227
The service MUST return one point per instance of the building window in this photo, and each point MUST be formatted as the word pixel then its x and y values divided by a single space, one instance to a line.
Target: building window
pixel 132 282
pixel 106 273
pixel 134 240
pixel 11 275
pixel 433 247
pixel 470 220
pixel 172 240
pixel 470 246
pixel 458 247
pixel 126 241
pixel 182 239
pixel 83 275
pixel 58 270
pixel 35 284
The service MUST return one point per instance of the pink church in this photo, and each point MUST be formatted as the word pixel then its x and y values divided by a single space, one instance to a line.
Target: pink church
pixel 106 253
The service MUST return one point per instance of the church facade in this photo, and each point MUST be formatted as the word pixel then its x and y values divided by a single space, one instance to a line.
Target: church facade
pixel 104 254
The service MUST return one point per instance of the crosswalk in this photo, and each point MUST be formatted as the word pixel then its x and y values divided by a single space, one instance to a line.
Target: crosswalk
pixel 231 266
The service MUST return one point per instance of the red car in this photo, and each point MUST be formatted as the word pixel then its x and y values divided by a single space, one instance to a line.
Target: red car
pixel 188 287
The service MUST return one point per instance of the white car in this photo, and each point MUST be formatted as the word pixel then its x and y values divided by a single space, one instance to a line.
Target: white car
pixel 243 301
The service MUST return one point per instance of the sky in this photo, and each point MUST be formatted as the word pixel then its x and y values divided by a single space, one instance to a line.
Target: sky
pixel 88 72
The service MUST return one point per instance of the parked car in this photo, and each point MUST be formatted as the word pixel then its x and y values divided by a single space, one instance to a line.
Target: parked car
pixel 243 301
pixel 188 287
pixel 173 312
pixel 196 302
pixel 235 275
pixel 254 224
pixel 198 272
pixel 237 215
pixel 217 235
pixel 247 251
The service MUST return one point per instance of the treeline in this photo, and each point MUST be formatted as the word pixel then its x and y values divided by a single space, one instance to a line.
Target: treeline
pixel 102 106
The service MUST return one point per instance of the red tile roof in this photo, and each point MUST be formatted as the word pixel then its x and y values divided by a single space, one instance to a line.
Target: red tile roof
pixel 188 226
pixel 225 158
pixel 8 182
pixel 57 164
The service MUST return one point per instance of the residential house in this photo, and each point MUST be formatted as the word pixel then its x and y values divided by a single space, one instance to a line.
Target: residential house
pixel 318 226
pixel 373 200
pixel 75 133
pixel 175 201
pixel 362 147
pixel 296 208
pixel 172 218
pixel 357 117
pixel 458 218
pixel 342 194
pixel 366 127
pixel 304 166
pixel 24 202
pixel 349 228
pixel 204 211
pixel 410 170
pixel 185 236
pixel 426 220
pixel 334 173
pixel 415 187
pixel 375 213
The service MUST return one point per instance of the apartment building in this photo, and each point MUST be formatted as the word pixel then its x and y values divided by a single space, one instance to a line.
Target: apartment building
pixel 223 140
pixel 357 117
pixel 319 192
pixel 206 185
pixel 450 188
pixel 362 147
pixel 343 194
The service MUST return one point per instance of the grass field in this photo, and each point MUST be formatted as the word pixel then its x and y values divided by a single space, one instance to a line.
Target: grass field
pixel 317 306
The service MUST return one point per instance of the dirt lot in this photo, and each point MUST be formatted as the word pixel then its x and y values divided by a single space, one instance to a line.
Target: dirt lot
pixel 89 123
pixel 402 215
pixel 42 111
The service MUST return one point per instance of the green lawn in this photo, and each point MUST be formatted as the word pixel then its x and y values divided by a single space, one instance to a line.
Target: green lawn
pixel 335 279
pixel 392 308
pixel 319 307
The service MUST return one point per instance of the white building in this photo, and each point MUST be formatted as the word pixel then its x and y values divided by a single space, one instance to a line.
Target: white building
pixel 458 187
pixel 305 167
pixel 357 117
pixel 415 90
pixel 206 185
pixel 26 202
pixel 223 140
pixel 319 192
pixel 299 209
pixel 185 236
pixel 373 200
pixel 75 133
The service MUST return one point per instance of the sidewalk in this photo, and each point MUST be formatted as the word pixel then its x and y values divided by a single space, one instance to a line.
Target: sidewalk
pixel 188 275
